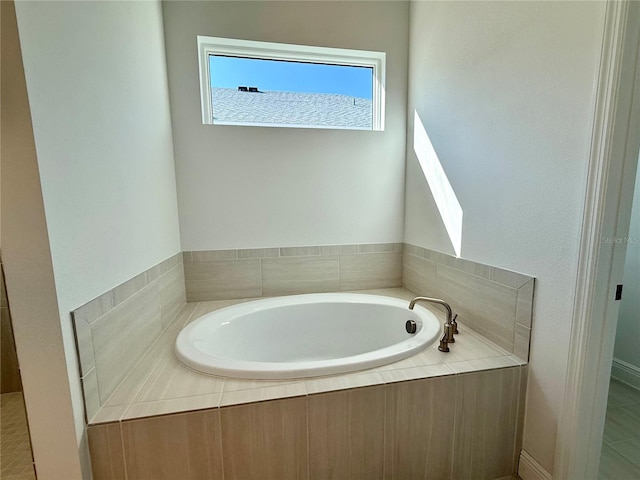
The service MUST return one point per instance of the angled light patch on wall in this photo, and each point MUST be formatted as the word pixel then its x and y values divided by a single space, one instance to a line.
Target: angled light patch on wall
pixel 441 189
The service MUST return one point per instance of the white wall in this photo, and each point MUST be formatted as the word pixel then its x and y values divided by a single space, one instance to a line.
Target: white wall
pixel 29 274
pixel 96 79
pixel 506 91
pixel 243 187
pixel 627 346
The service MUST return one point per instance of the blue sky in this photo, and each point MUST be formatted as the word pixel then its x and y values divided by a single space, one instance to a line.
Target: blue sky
pixel 232 72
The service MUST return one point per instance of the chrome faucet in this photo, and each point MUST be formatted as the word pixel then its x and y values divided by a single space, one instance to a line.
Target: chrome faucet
pixel 450 325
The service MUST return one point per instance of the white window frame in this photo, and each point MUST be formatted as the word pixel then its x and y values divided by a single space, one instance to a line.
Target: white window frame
pixel 284 51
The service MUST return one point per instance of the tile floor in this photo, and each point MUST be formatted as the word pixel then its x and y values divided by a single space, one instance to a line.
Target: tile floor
pixel 620 459
pixel 15 448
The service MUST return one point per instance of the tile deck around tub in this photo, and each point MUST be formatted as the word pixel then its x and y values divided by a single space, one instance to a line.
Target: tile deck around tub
pixel 159 384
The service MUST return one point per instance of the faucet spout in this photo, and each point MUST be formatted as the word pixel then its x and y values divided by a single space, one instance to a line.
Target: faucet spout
pixel 450 325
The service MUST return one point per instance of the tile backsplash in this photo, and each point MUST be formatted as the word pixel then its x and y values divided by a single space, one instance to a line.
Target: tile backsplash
pixel 495 302
pixel 228 274
pixel 114 330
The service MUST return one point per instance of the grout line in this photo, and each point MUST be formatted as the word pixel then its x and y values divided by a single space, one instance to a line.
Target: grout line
pixel 514 453
pixel 193 312
pixel 385 440
pixel 399 249
pixel 612 444
pixel 490 278
pixel 222 391
pixel 513 338
pixel 109 292
pixel 152 370
pixel 338 259
pixel 306 408
pixel 124 455
pixel 455 424
pixel 155 366
pixel 219 432
pixel 170 400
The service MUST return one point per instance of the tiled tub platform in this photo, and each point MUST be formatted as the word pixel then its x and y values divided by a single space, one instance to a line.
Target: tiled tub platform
pixel 431 416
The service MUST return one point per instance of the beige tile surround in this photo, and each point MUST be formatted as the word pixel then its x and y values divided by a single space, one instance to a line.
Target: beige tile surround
pixel 495 302
pixel 158 386
pixel 114 330
pixel 115 363
pixel 440 428
pixel 229 274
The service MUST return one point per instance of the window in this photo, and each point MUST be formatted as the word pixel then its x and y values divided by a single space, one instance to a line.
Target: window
pixel 280 85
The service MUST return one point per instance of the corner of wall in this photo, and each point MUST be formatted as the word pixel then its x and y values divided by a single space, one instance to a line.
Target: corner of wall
pixel 530 469
pixel 28 267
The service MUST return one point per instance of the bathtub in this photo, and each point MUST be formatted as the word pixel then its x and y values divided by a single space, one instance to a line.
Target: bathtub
pixel 302 336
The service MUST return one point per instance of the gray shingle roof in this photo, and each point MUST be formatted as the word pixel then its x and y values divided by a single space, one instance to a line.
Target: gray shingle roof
pixel 291 108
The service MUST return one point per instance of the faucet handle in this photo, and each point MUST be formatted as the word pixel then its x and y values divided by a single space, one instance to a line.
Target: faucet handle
pixel 454 324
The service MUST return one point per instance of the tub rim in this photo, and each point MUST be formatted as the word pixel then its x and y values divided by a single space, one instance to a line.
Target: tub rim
pixel 201 362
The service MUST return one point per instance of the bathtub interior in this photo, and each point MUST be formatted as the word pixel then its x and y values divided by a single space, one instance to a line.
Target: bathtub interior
pixel 305 328
pixel 304 336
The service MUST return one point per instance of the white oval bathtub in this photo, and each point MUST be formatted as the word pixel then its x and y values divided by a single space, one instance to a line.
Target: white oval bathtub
pixel 304 336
